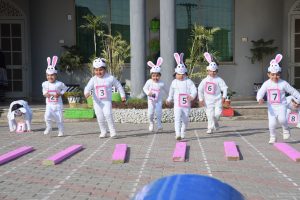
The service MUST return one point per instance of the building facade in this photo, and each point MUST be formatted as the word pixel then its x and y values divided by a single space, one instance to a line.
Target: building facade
pixel 32 30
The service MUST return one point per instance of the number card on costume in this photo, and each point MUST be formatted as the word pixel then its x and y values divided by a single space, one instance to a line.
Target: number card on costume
pixel 52 97
pixel 101 91
pixel 293 118
pixel 274 96
pixel 183 101
pixel 21 127
pixel 210 88
pixel 155 93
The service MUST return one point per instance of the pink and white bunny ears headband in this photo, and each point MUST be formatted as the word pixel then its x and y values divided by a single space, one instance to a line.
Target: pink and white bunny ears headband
pixel 212 65
pixel 274 64
pixel 180 68
pixel 99 62
pixel 51 67
pixel 155 68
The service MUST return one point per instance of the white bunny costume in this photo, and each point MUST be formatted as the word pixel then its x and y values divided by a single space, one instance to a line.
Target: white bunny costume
pixel 54 106
pixel 102 97
pixel 153 90
pixel 209 90
pixel 19 108
pixel 179 91
pixel 291 108
pixel 277 103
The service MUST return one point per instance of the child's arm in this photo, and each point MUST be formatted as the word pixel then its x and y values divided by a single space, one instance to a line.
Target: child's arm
pixel 261 93
pixel 146 88
pixel 119 87
pixel 171 94
pixel 201 93
pixel 88 88
pixel 193 90
pixel 223 88
pixel 288 88
pixel 45 90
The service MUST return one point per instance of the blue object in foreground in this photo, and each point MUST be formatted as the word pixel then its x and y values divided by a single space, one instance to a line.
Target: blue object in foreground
pixel 188 186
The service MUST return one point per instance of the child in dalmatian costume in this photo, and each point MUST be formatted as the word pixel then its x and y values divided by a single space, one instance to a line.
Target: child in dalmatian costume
pixel 293 108
pixel 53 90
pixel 19 108
pixel 210 96
pixel 153 88
pixel 101 85
pixel 276 89
pixel 183 91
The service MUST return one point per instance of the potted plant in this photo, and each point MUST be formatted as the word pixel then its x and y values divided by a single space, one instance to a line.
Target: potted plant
pixel 116 51
pixel 227 102
pixel 154 25
pixel 260 50
pixel 73 97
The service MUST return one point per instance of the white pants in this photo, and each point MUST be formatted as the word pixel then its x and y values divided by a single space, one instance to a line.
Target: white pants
pixel 54 113
pixel 13 124
pixel 181 116
pixel 157 108
pixel 213 114
pixel 275 113
pixel 103 112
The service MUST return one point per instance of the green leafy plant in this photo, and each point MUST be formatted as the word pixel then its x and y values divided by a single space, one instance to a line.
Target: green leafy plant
pixel 154 25
pixel 116 51
pixel 260 50
pixel 96 25
pixel 201 40
pixel 154 45
pixel 70 59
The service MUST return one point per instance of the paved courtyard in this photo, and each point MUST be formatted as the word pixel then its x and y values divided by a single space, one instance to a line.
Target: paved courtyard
pixel 262 173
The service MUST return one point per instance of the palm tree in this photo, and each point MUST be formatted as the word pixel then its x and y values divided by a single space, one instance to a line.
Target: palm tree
pixel 116 51
pixel 201 39
pixel 94 24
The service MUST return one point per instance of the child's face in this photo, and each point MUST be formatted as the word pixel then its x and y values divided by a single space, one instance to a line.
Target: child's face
pixel 100 72
pixel 51 78
pixel 274 76
pixel 212 73
pixel 180 76
pixel 155 77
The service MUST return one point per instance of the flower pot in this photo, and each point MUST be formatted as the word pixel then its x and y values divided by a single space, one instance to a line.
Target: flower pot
pixel 116 97
pixel 227 103
pixel 73 101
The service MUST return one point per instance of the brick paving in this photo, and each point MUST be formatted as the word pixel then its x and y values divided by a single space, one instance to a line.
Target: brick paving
pixel 262 173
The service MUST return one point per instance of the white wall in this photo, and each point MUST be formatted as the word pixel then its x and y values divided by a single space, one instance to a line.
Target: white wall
pixel 254 19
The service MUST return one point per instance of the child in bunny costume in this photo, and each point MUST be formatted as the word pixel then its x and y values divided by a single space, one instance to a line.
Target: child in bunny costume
pixel 277 104
pixel 152 89
pixel 293 106
pixel 183 91
pixel 19 108
pixel 101 84
pixel 53 90
pixel 209 93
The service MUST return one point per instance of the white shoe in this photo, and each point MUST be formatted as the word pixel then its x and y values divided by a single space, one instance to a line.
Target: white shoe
pixel 182 135
pixel 102 135
pixel 47 131
pixel 272 140
pixel 298 125
pixel 286 136
pixel 209 131
pixel 113 135
pixel 60 134
pixel 151 127
pixel 159 128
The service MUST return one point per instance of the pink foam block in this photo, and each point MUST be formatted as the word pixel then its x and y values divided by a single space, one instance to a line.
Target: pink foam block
pixel 119 154
pixel 289 151
pixel 179 152
pixel 15 154
pixel 60 156
pixel 231 152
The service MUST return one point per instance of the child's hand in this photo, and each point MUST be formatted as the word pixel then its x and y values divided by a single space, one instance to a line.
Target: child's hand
pixel 56 95
pixel 190 98
pixel 201 103
pixel 87 95
pixel 150 94
pixel 123 99
pixel 47 95
pixel 261 101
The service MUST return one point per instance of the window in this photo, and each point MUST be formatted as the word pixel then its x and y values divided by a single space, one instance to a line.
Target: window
pixel 208 13
pixel 117 17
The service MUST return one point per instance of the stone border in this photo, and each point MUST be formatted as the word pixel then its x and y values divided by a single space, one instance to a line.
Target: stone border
pixel 140 115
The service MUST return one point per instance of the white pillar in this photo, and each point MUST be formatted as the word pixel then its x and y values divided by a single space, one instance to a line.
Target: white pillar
pixel 138 46
pixel 167 38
